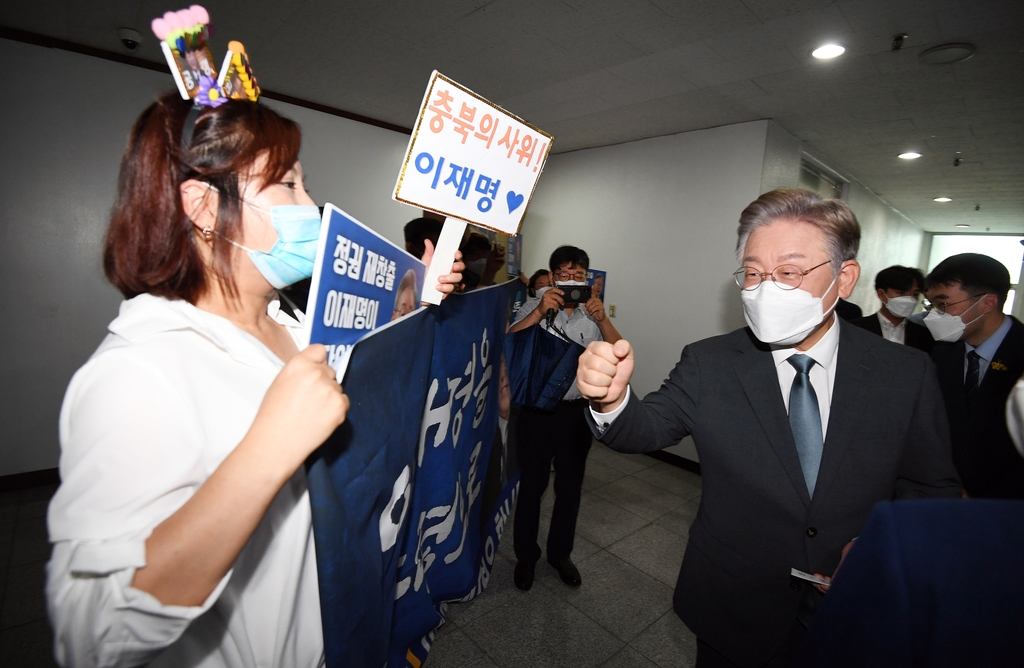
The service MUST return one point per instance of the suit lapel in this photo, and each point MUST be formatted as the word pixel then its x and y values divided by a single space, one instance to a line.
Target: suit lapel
pixel 846 411
pixel 755 368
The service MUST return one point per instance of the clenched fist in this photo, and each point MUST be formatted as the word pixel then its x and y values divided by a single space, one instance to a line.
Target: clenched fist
pixel 604 372
pixel 303 406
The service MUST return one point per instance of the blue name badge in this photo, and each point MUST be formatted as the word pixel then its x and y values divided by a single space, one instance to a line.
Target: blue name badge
pixel 361 282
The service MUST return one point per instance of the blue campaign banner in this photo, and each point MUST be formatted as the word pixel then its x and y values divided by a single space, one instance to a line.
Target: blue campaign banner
pixel 411 494
pixel 359 487
pixel 361 281
pixel 445 555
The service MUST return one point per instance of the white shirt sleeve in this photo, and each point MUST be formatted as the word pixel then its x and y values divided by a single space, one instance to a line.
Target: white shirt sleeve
pixel 129 459
pixel 604 420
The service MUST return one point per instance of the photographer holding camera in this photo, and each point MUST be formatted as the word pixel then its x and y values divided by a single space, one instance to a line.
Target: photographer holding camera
pixel 566 310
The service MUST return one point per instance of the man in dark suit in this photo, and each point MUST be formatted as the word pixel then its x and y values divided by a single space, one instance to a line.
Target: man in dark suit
pixel 980 360
pixel 933 583
pixel 898 288
pixel 802 423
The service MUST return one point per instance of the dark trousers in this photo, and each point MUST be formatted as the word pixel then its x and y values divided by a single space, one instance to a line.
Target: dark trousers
pixel 709 657
pixel 562 436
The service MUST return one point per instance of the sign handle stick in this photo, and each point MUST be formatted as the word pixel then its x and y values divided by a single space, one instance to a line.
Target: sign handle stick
pixel 444 256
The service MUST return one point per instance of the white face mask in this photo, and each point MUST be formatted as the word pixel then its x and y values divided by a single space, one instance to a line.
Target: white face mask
pixel 946 327
pixel 783 317
pixel 901 307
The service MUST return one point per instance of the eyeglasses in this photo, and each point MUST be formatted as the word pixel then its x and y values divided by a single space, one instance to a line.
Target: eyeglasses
pixel 786 276
pixel 577 275
pixel 942 306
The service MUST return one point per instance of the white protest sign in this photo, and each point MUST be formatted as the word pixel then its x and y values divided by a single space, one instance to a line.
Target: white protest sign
pixel 470 159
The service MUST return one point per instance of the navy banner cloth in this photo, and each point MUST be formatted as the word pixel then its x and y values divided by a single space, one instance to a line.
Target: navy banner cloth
pixel 397 493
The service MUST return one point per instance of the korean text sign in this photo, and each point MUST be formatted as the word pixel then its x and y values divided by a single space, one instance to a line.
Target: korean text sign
pixel 470 159
pixel 361 281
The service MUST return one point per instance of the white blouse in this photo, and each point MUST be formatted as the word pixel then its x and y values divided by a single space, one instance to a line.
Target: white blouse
pixel 165 398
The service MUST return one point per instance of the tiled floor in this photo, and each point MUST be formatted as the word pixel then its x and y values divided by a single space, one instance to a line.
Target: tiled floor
pixel 634 519
pixel 632 529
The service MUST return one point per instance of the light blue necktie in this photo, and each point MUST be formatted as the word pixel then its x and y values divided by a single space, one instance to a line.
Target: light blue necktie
pixel 805 420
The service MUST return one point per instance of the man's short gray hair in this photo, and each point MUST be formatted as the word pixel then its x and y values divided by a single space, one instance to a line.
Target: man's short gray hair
pixel 832 216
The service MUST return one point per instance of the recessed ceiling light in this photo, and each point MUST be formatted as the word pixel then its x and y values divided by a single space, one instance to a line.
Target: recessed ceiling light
pixel 963 225
pixel 827 51
pixel 943 199
pixel 947 54
pixel 910 155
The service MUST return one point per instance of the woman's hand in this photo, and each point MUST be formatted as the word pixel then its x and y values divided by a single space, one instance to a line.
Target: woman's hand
pixel 303 406
pixel 446 284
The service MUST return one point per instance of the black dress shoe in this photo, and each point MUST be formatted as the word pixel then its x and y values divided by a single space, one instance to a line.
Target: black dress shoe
pixel 567 571
pixel 523 575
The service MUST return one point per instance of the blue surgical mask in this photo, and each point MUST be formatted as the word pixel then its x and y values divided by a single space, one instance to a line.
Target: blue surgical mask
pixel 298 234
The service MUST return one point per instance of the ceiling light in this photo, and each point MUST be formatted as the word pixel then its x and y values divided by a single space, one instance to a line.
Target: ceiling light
pixel 827 51
pixel 943 199
pixel 910 155
pixel 963 225
pixel 947 54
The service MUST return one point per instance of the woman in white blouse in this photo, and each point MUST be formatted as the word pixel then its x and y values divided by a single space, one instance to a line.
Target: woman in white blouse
pixel 182 530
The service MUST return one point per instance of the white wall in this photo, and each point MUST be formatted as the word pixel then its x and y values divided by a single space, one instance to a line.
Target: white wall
pixel 63 126
pixel 660 215
pixel 887 238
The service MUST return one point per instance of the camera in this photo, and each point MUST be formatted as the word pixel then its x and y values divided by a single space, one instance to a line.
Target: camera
pixel 130 39
pixel 575 294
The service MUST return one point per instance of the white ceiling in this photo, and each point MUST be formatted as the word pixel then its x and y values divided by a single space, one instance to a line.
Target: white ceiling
pixel 607 71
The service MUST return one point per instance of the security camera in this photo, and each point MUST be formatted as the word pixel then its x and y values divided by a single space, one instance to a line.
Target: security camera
pixel 130 39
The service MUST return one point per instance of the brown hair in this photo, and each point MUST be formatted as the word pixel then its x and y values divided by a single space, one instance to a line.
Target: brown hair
pixel 832 216
pixel 151 244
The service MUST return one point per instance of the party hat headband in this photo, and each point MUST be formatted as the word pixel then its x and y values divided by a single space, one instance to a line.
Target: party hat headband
pixel 183 38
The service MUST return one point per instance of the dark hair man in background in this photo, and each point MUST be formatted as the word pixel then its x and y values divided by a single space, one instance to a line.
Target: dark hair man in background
pixel 540 279
pixel 981 359
pixel 899 288
pixel 419 229
pixel 802 422
pixel 562 436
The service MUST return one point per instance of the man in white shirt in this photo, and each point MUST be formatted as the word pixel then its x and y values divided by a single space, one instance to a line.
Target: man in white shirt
pixel 802 423
pixel 898 288
pixel 560 437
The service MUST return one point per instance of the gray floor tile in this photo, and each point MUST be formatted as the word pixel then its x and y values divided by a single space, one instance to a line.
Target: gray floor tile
pixel 678 521
pixel 24 600
pixel 539 629
pixel 31 541
pixel 500 590
pixel 654 550
pixel 617 596
pixel 598 475
pixel 456 650
pixel 602 522
pixel 628 658
pixel 28 646
pixel 672 479
pixel 620 462
pixel 668 643
pixel 639 497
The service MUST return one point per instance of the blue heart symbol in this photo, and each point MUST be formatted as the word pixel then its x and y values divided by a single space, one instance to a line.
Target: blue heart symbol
pixel 513 200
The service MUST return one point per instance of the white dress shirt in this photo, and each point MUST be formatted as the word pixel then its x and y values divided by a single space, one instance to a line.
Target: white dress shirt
pixel 891 332
pixel 822 375
pixel 167 396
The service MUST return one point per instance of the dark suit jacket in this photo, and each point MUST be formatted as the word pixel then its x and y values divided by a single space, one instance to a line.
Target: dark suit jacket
pixel 933 583
pixel 915 335
pixel 983 452
pixel 848 310
pixel 887 438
